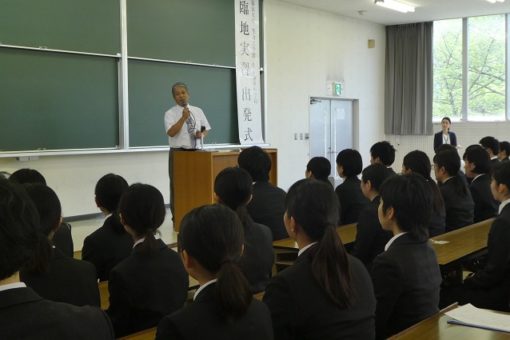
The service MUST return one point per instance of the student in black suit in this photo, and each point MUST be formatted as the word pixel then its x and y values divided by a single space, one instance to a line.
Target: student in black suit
pixel 504 151
pixel 318 168
pixel 23 313
pixel 233 188
pixel 490 286
pixel 370 237
pixel 477 166
pixel 445 136
pixel 419 163
pixel 491 145
pixel 50 273
pixel 326 293
pixel 383 153
pixel 151 282
pixel 267 204
pixel 350 197
pixel 459 205
pixel 62 238
pixel 406 275
pixel 109 244
pixel 210 243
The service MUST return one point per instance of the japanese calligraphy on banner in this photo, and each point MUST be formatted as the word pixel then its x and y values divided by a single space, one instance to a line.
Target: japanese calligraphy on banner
pixel 247 71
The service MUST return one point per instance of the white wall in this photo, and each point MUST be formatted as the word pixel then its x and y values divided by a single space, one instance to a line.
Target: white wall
pixel 304 49
pixel 74 177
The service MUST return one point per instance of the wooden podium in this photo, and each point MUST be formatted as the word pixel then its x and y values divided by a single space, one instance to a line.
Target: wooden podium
pixel 194 174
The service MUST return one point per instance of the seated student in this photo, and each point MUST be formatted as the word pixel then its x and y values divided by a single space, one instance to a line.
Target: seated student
pixel 318 168
pixel 326 293
pixel 477 167
pixel 383 153
pixel 50 273
pixel 62 239
pixel 109 244
pixel 370 237
pixel 490 286
pixel 267 204
pixel 232 187
pixel 406 275
pixel 223 307
pixel 504 151
pixel 458 203
pixel 352 200
pixel 23 313
pixel 419 163
pixel 151 282
pixel 491 145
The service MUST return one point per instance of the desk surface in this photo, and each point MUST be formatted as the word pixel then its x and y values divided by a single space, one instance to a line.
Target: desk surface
pixel 461 242
pixel 437 328
pixel 346 232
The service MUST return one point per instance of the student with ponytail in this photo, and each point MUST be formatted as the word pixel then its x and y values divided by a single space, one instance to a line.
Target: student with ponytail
pixel 326 294
pixel 211 243
pixel 50 273
pixel 459 205
pixel 233 188
pixel 151 282
pixel 419 163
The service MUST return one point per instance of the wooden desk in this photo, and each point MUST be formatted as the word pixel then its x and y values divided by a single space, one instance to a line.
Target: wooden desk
pixel 147 334
pixel 346 232
pixel 104 294
pixel 461 242
pixel 437 328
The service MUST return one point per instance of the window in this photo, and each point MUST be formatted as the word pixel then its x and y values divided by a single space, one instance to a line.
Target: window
pixel 447 60
pixel 469 68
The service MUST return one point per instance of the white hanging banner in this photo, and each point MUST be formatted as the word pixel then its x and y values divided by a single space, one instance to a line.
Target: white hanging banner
pixel 248 71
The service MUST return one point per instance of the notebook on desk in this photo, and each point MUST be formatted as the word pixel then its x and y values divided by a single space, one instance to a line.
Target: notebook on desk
pixel 469 315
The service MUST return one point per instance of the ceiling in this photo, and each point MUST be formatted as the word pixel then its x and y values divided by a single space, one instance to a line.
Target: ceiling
pixel 426 10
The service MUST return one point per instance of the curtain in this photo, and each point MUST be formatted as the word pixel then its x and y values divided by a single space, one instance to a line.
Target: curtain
pixel 408 79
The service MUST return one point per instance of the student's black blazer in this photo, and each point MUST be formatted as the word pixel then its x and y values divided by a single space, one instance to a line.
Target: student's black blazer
pixel 202 320
pixel 300 309
pixel 406 282
pixel 144 287
pixel 25 315
pixel 66 280
pixel 491 285
pixel 370 236
pixel 267 208
pixel 63 239
pixel 258 257
pixel 438 139
pixel 485 204
pixel 459 208
pixel 106 247
pixel 351 199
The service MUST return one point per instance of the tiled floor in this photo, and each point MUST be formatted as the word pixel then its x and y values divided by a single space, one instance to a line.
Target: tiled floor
pixel 81 229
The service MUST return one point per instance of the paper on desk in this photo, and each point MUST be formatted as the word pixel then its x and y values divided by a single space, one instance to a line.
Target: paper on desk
pixel 439 241
pixel 469 315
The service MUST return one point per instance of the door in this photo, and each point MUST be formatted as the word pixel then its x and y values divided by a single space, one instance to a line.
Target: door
pixel 331 130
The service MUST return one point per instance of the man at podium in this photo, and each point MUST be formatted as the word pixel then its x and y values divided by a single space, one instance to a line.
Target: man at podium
pixel 186 127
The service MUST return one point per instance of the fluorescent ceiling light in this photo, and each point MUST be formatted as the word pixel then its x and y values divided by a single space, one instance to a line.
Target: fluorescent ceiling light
pixel 494 1
pixel 399 6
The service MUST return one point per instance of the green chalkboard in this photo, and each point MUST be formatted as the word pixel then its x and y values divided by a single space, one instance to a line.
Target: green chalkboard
pixel 212 89
pixel 77 25
pixel 57 101
pixel 200 31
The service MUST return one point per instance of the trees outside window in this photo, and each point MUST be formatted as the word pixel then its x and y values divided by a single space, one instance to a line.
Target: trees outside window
pixel 480 42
